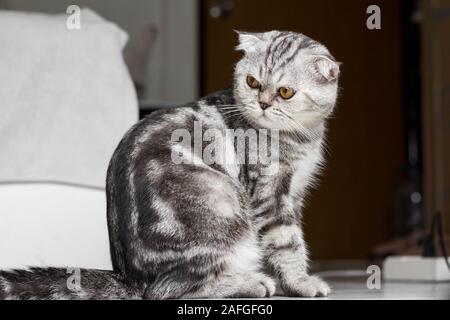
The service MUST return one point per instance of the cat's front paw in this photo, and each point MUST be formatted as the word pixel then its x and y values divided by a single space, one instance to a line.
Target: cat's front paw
pixel 257 286
pixel 308 287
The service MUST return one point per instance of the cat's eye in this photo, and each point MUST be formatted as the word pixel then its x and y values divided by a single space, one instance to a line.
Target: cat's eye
pixel 253 83
pixel 286 93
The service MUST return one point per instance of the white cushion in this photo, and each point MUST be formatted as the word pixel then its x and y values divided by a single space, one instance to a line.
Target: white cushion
pixel 66 101
pixel 66 97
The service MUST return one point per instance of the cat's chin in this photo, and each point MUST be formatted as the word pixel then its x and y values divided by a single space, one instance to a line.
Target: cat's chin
pixel 307 124
pixel 264 121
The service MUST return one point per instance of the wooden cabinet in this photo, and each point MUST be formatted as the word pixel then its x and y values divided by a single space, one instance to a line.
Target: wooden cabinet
pixel 436 106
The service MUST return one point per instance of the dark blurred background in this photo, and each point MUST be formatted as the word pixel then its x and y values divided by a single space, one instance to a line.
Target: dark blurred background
pixel 388 158
pixel 354 207
pixel 388 168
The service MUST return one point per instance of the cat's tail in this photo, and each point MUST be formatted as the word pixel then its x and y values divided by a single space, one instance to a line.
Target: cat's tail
pixel 65 284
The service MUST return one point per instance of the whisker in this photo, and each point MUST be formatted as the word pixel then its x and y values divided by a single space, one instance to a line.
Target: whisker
pixel 221 106
pixel 300 130
pixel 231 112
pixel 231 107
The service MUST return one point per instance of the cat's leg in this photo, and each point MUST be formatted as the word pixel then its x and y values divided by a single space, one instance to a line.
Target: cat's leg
pixel 277 204
pixel 239 277
pixel 196 237
pixel 252 285
pixel 286 257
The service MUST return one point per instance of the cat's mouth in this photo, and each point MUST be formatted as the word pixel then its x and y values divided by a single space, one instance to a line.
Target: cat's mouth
pixel 303 118
pixel 265 120
pixel 263 116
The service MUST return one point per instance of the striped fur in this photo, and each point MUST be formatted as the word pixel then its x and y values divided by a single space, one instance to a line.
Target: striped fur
pixel 52 283
pixel 222 229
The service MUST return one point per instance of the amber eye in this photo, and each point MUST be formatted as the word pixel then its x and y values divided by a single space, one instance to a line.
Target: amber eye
pixel 286 93
pixel 253 83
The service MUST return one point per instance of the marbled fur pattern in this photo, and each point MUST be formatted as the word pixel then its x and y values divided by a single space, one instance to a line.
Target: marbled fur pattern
pixel 198 230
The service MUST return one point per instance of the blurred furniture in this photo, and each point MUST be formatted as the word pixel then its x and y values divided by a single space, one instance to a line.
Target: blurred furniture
pixel 171 64
pixel 51 224
pixel 67 100
pixel 436 107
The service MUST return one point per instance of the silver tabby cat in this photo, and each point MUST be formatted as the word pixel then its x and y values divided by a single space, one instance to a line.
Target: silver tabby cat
pixel 214 230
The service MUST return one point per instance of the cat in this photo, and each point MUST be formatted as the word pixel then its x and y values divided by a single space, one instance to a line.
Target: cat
pixel 217 229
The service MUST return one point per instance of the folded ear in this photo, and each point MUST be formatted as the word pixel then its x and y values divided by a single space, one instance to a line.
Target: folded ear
pixel 249 42
pixel 327 67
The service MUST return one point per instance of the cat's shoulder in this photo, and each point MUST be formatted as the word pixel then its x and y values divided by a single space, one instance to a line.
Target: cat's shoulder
pixel 214 100
pixel 219 98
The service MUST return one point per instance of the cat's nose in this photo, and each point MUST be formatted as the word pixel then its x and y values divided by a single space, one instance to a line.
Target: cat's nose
pixel 264 105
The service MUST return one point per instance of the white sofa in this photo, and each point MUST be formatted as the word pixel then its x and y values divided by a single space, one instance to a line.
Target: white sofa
pixel 66 99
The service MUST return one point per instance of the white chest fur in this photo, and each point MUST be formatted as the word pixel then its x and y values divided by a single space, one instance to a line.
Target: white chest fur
pixel 305 168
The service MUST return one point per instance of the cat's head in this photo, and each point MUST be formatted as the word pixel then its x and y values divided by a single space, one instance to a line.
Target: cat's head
pixel 285 80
